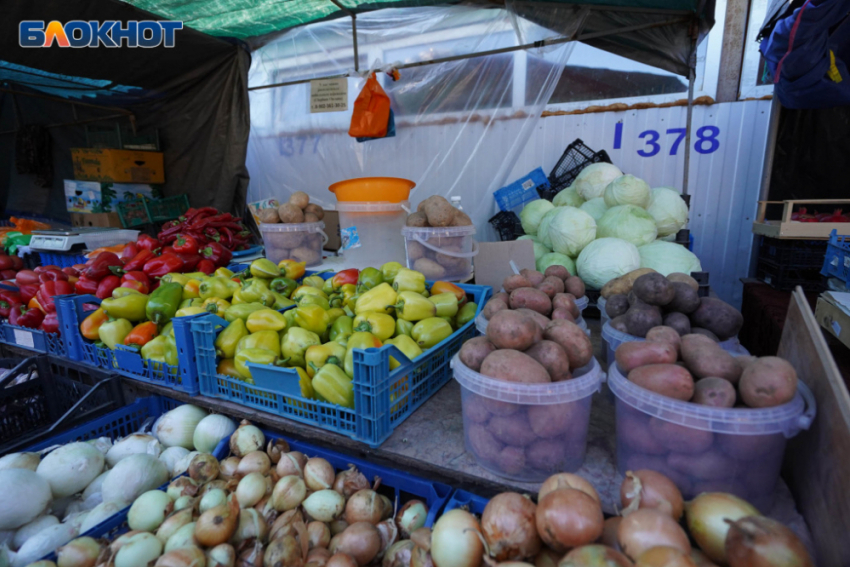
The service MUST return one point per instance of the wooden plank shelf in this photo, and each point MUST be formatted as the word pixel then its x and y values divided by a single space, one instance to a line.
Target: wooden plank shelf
pixel 785 228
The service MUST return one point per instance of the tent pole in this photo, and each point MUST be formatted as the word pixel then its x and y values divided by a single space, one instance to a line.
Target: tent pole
pixel 692 74
pixel 770 148
pixel 353 31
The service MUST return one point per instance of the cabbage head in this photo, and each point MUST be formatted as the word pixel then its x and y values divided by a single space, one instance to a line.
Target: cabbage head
pixel 668 209
pixel 556 259
pixel 540 250
pixel 532 213
pixel 571 230
pixel 668 257
pixel 568 198
pixel 595 208
pixel 627 190
pixel 605 259
pixel 528 237
pixel 629 223
pixel 543 227
pixel 594 178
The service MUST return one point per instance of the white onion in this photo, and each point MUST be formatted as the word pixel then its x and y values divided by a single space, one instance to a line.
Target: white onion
pixel 95 485
pixel 102 444
pixel 140 550
pixel 324 505
pixel 211 430
pixel 44 542
pixel 133 476
pixel 455 540
pixel 213 498
pixel 246 438
pixel 177 427
pixel 184 537
pixel 183 464
pixel 24 497
pixel 100 513
pixel 221 556
pixel 251 489
pixel 75 520
pixel 171 457
pixel 20 461
pixel 184 502
pixel 71 468
pixel 59 506
pixel 27 531
pixel 132 445
pixel 79 505
pixel 149 510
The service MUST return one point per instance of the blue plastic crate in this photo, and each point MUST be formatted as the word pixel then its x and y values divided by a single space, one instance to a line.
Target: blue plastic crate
pixel 398 486
pixel 61 260
pixel 382 399
pixel 126 361
pixel 32 339
pixel 468 501
pixel 514 196
pixel 836 263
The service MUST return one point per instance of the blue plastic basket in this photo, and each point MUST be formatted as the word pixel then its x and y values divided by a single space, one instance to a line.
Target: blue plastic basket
pixel 126 361
pixel 836 263
pixel 514 196
pixel 382 399
pixel 468 501
pixel 32 339
pixel 61 260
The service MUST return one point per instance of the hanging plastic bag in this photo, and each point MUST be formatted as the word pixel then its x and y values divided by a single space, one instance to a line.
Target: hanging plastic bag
pixel 371 115
pixel 390 130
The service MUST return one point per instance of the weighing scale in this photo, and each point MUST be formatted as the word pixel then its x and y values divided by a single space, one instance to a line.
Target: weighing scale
pixel 79 239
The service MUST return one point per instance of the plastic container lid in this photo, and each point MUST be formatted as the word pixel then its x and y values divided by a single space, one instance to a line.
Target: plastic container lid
pixel 582 302
pixel 788 419
pixel 585 382
pixel 437 232
pixel 390 189
pixel 292 227
pixel 371 206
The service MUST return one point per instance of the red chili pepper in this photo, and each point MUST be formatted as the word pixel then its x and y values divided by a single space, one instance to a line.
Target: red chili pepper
pixel 136 276
pixel 26 277
pixel 129 252
pixel 206 266
pixel 8 274
pixel 141 287
pixel 106 286
pixel 50 289
pixel 103 266
pixel 218 254
pixel 148 242
pixel 6 307
pixel 23 317
pixel 50 323
pixel 85 286
pixel 185 244
pixel 165 264
pixel 28 292
pixel 190 261
pixel 53 275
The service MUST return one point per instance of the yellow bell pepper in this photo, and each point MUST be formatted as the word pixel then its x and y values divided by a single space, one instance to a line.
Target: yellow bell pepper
pixel 379 324
pixel 358 340
pixel 167 329
pixel 319 355
pixel 228 339
pixel 315 300
pixel 223 273
pixel 294 345
pixel 411 306
pixel 227 367
pixel 304 290
pixel 268 340
pixel 409 280
pixel 281 301
pixel 216 305
pixel 292 269
pixel 334 313
pixel 314 281
pixel 306 384
pixel 255 355
pixel 186 311
pixel 380 298
pixel 265 320
pixel 332 385
pixel 403 327
pixel 406 345
pixel 223 288
pixel 264 268
pixel 175 278
pixel 312 318
pixel 429 332
pixel 446 304
pixel 191 289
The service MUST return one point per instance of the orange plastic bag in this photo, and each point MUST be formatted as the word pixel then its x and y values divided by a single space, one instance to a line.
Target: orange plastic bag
pixel 371 111
pixel 26 226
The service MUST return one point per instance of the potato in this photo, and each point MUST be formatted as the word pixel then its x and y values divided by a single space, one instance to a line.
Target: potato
pixel 431 269
pixel 705 358
pixel 310 217
pixel 473 409
pixel 641 319
pixel 665 379
pixel 511 460
pixel 474 351
pixel 531 298
pixel 420 208
pixel 300 199
pixel 541 320
pixel 704 333
pixel 269 216
pixel 498 407
pixel 503 296
pixel 514 282
pixel 482 443
pixel 659 464
pixel 624 283
pixel 553 358
pixel 714 392
pixel 634 354
pixel 653 289
pixel 512 430
pixel 679 438
pixel 453 264
pixel 513 330
pixel 769 381
pixel 493 306
pixel 634 434
pixel 572 339
pixel 557 271
pixel 461 219
pixel 439 212
pixel 635 301
pixel 561 313
pixel 546 455
pixel 417 220
pixel 575 286
pixel 288 239
pixel 751 447
pixel 566 301
pixel 711 465
pixel 619 324
pixel 685 300
pixel 617 305
pixel 551 286
pixel 718 317
pixel 535 277
pixel 684 278
pixel 513 366
pixel 309 255
pixel 555 420
pixel 415 250
pixel 745 360
pixel 316 210
pixel 679 322
pixel 290 213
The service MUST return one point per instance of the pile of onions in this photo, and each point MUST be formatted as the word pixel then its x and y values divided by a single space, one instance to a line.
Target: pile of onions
pixel 210 431
pixel 176 428
pixel 755 541
pixel 707 516
pixel 508 525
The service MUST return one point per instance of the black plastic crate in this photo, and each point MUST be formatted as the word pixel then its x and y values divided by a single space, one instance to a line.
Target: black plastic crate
pixel 786 278
pixel 508 225
pixel 58 394
pixel 575 158
pixel 802 254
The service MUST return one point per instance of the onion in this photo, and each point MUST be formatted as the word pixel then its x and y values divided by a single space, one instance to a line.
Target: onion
pixel 173 523
pixel 182 486
pixel 364 506
pixel 700 560
pixel 27 531
pixel 318 534
pixel 252 556
pixel 171 457
pixel 246 438
pixel 650 489
pixel 706 516
pixel 508 525
pixel 141 549
pixel 20 461
pixel 221 556
pixel 349 481
pixel 101 513
pixel 398 555
pixel 210 431
pixel 251 525
pixel 648 528
pixel 567 518
pixel 456 540
pixel 119 542
pixel 609 532
pixel 217 525
pixel 360 540
pixel 547 558
pixel 132 477
pixel 102 444
pixel 81 552
pixel 184 557
pixel 288 493
pixel 567 480
pixel 213 498
pixel 291 464
pixel 255 461
pixel 411 517
pixel 213 484
pixel 389 509
pixel 228 467
pixel 149 510
pixel 283 551
pixel 70 468
pixel 421 558
pixel 203 468
pixel 183 537
pixel 284 525
pixel 324 505
pixel 183 464
pixel 595 555
pixel 29 499
pixel 664 556
pixel 132 445
pixel 337 526
pixel 318 474
pixel 389 535
pixel 95 486
pixel 422 538
pixel 44 542
pixel 276 448
pixel 184 502
pixel 42 563
pixel 755 541
pixel 176 428
pixel 318 557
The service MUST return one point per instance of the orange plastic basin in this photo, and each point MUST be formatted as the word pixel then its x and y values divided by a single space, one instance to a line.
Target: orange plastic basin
pixel 387 189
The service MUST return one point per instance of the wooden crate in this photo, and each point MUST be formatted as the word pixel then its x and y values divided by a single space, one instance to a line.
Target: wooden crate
pixel 786 228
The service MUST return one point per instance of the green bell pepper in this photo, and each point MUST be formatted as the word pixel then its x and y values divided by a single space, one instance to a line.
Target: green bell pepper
pixel 403 327
pixel 341 329
pixel 281 301
pixel 332 385
pixel 413 307
pixel 113 333
pixel 283 286
pixel 222 288
pixel 409 280
pixel 164 302
pixel 466 314
pixel 228 339
pixel 295 343
pixel 369 279
pixel 446 304
pixel 161 349
pixel 429 332
pixel 267 340
pixel 390 270
pixel 131 307
pixel 328 286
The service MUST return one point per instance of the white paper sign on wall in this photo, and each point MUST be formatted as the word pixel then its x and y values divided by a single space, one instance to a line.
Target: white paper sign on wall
pixel 329 95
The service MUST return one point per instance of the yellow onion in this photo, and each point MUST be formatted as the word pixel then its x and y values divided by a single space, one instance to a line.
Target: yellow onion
pixel 389 535
pixel 700 560
pixel 211 499
pixel 508 525
pixel 398 555
pixel 252 556
pixel 255 461
pixel 648 528
pixel 216 526
pixel 389 509
pixel 283 551
pixel 285 524
pixel 291 464
pixel 364 506
pixel 173 523
pixel 184 557
pixel 456 540
pixel 81 552
pixel 324 505
pixel 318 534
pixel 251 489
pixel 422 538
pixel 149 510
pixel 222 555
pixel 184 502
pixel 595 554
pixel 337 526
pixel 609 532
pixel 567 517
pixel 246 438
pixel 203 468
pixel 276 448
pixel 547 558
pixel 411 517
pixel 755 541
pixel 140 549
pixel 349 481
pixel 183 537
pixel 182 486
pixel 421 558
pixel 341 560
pixel 289 493
pixel 650 489
pixel 360 540
pixel 216 484
pixel 119 542
pixel 664 556
pixel 251 525
pixel 706 516
pixel 228 467
pixel 318 557
pixel 318 474
pixel 566 480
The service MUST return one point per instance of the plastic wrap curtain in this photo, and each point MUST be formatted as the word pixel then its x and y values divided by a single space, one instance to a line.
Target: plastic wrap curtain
pixel 291 149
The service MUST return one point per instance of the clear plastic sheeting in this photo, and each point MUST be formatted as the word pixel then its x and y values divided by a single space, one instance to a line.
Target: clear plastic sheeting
pixel 450 117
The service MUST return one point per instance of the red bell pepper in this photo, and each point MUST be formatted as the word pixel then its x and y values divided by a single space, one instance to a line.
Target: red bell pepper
pixel 165 264
pixel 50 323
pixel 190 261
pixel 185 244
pixel 166 250
pixel 71 271
pixel 23 317
pixel 26 277
pixel 18 263
pixel 141 287
pixel 9 295
pixel 28 292
pixel 40 269
pixel 348 276
pixel 206 266
pixel 6 262
pixel 102 266
pixel 8 274
pixel 6 306
pixel 52 275
pixel 147 242
pixel 85 286
pixel 136 276
pixel 50 289
pixel 106 286
pixel 129 252
pixel 139 260
pixel 218 254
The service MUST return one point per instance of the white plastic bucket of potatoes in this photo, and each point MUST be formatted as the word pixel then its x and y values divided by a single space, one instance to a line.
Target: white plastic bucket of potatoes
pixel 302 242
pixel 441 253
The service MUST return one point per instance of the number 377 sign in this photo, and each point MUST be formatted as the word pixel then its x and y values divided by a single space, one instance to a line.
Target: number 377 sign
pixel 706 140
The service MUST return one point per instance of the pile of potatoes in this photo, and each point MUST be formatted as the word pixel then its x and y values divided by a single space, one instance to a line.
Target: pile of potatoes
pixel 298 210
pixel 434 213
pixel 524 346
pixel 644 299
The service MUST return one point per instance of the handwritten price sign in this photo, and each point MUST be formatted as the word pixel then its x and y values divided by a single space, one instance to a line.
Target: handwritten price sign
pixel 705 140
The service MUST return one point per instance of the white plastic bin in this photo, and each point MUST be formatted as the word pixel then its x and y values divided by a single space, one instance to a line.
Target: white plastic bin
pixel 600 304
pixel 441 253
pixel 297 241
pixel 369 232
pixel 481 325
pixel 527 432
pixel 612 338
pixel 706 449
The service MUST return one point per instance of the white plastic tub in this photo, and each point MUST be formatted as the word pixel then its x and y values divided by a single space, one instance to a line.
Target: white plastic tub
pixel 612 338
pixel 600 304
pixel 481 324
pixel 527 432
pixel 706 449
pixel 369 232
pixel 297 241
pixel 441 253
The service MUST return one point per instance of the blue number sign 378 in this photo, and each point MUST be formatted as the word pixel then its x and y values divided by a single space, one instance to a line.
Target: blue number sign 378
pixel 706 140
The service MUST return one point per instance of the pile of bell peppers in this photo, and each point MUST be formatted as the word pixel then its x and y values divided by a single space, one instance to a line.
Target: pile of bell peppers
pixel 33 304
pixel 331 318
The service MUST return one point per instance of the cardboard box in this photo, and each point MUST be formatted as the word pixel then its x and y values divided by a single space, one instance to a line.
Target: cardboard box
pixel 121 166
pixel 100 220
pixel 493 262
pixel 831 316
pixel 98 197
pixel 331 221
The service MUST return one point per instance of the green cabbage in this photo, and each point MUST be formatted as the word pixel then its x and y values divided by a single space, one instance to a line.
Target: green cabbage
pixel 605 259
pixel 540 250
pixel 568 198
pixel 571 230
pixel 595 208
pixel 629 223
pixel 668 209
pixel 528 237
pixel 543 227
pixel 532 214
pixel 594 178
pixel 556 259
pixel 668 257
pixel 627 190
